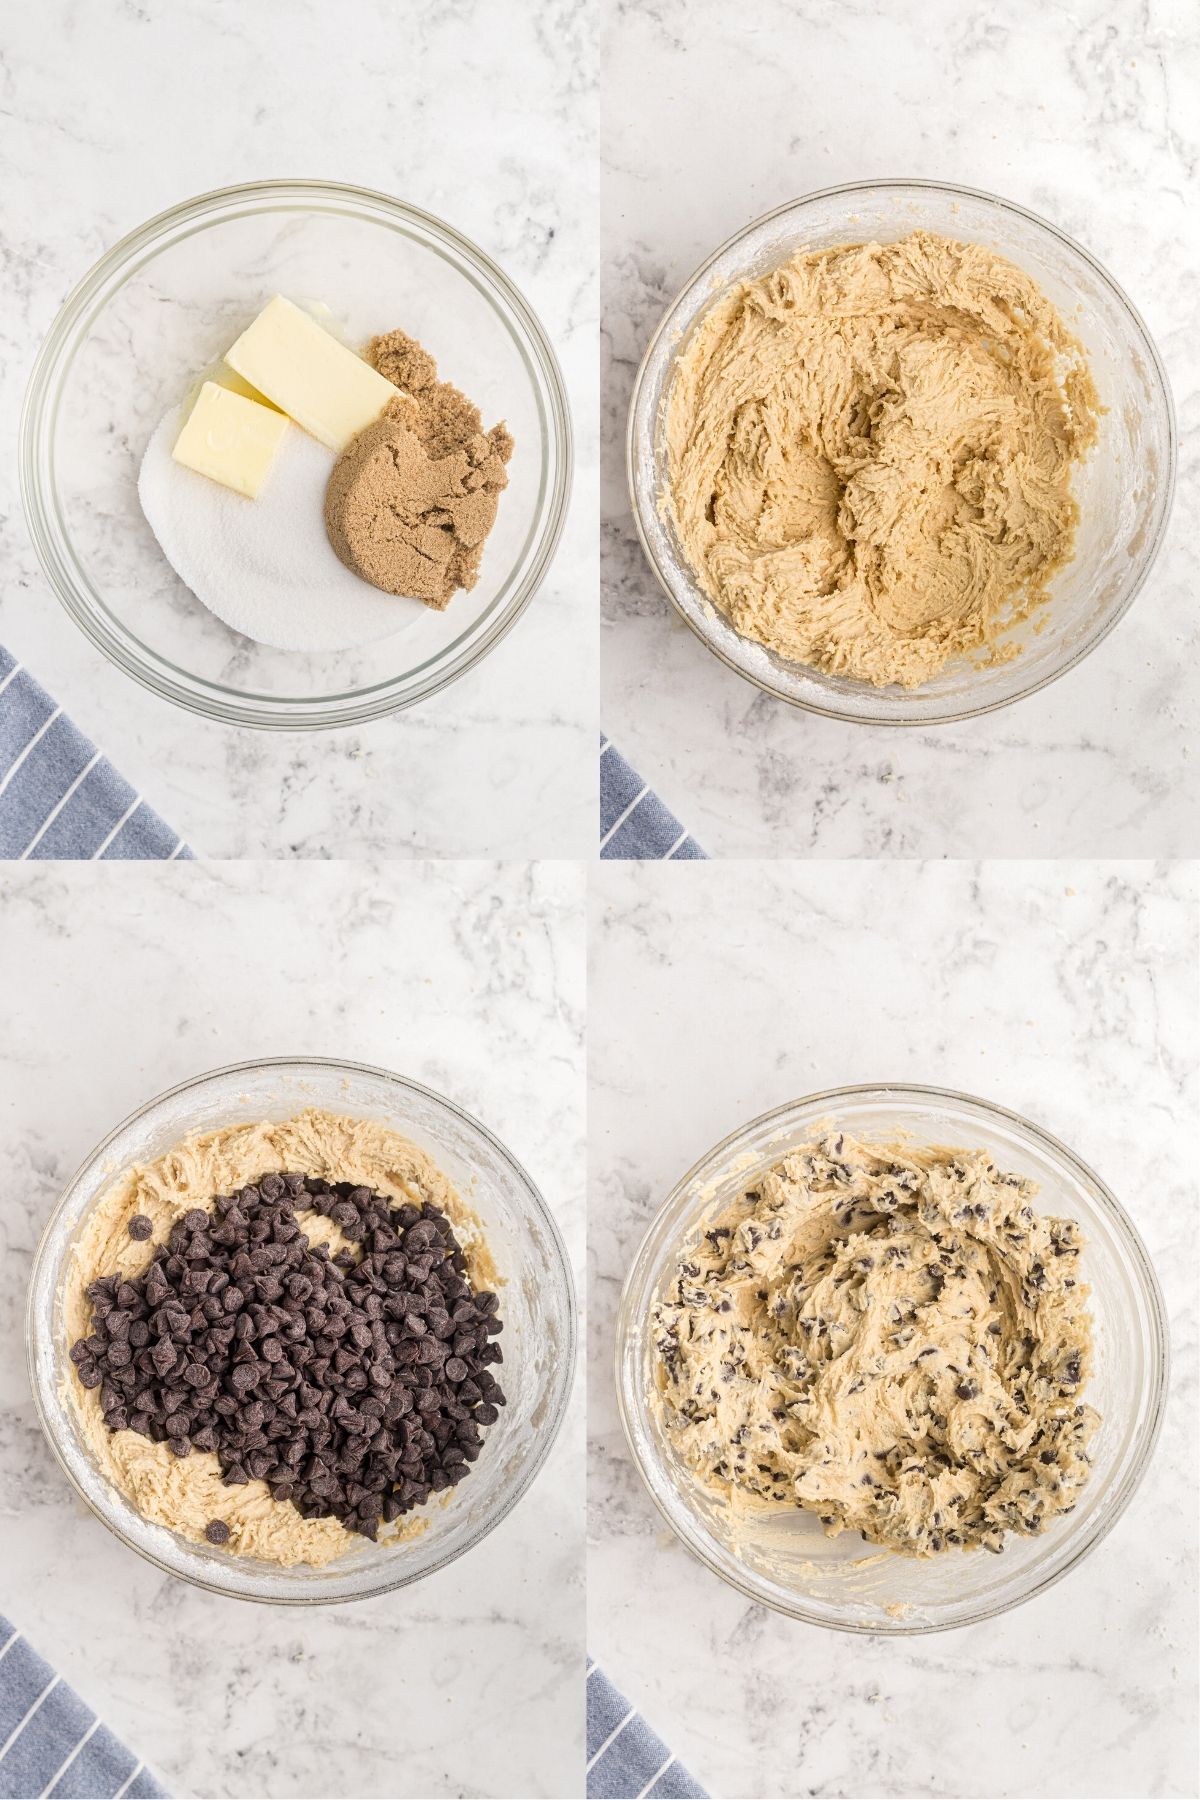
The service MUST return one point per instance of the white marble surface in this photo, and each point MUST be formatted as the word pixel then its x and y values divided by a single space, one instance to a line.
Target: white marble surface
pixel 1064 991
pixel 1085 113
pixel 119 980
pixel 483 115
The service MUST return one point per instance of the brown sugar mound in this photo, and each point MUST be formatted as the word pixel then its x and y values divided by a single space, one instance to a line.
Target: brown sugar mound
pixel 411 499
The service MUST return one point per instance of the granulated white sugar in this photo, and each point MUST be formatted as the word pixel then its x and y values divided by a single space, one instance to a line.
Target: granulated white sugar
pixel 265 566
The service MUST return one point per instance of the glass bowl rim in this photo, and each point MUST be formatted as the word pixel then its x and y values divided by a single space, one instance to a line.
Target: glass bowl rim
pixel 638 398
pixel 200 695
pixel 533 1194
pixel 1158 1346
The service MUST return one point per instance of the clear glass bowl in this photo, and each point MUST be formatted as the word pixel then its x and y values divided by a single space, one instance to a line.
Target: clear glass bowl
pixel 784 1560
pixel 164 304
pixel 537 1304
pixel 1124 487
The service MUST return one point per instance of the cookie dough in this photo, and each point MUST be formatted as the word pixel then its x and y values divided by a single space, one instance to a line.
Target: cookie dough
pixel 889 1337
pixel 186 1494
pixel 870 454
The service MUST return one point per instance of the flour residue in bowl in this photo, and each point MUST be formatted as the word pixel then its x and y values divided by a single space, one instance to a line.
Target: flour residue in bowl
pixel 870 455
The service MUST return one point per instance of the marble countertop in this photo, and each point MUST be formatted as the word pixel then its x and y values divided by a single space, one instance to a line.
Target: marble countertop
pixel 120 980
pixel 713 115
pixel 482 115
pixel 1065 992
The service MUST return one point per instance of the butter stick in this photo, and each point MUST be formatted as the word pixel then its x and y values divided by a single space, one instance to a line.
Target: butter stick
pixel 231 439
pixel 330 392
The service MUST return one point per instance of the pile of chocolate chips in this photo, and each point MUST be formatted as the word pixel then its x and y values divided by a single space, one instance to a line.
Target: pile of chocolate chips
pixel 354 1385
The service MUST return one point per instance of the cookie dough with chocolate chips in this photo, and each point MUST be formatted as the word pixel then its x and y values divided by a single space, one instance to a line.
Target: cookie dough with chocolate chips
pixel 870 453
pixel 165 1461
pixel 890 1337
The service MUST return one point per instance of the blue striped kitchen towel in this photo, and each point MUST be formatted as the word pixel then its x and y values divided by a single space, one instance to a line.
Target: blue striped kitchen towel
pixel 634 824
pixel 59 797
pixel 625 1759
pixel 51 1743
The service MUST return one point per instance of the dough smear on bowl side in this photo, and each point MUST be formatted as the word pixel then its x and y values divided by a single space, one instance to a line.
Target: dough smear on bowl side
pixel 132 1225
pixel 870 453
pixel 887 1336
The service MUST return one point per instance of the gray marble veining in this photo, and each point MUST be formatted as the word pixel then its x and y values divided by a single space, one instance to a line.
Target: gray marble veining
pixel 485 117
pixel 1064 991
pixel 120 980
pixel 1085 113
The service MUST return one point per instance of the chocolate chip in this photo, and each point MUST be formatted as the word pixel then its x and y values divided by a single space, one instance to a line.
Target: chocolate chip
pixel 217 1531
pixel 140 1228
pixel 354 1386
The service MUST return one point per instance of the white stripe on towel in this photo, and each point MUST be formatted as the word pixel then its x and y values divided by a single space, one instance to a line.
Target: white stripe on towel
pixel 617 823
pixel 63 1767
pixel 612 1737
pixel 48 821
pixel 657 1776
pixel 38 735
pixel 13 1735
pixel 123 820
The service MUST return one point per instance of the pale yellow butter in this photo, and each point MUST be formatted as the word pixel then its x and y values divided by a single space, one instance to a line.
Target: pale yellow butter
pixel 329 391
pixel 229 378
pixel 231 439
pixel 225 377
